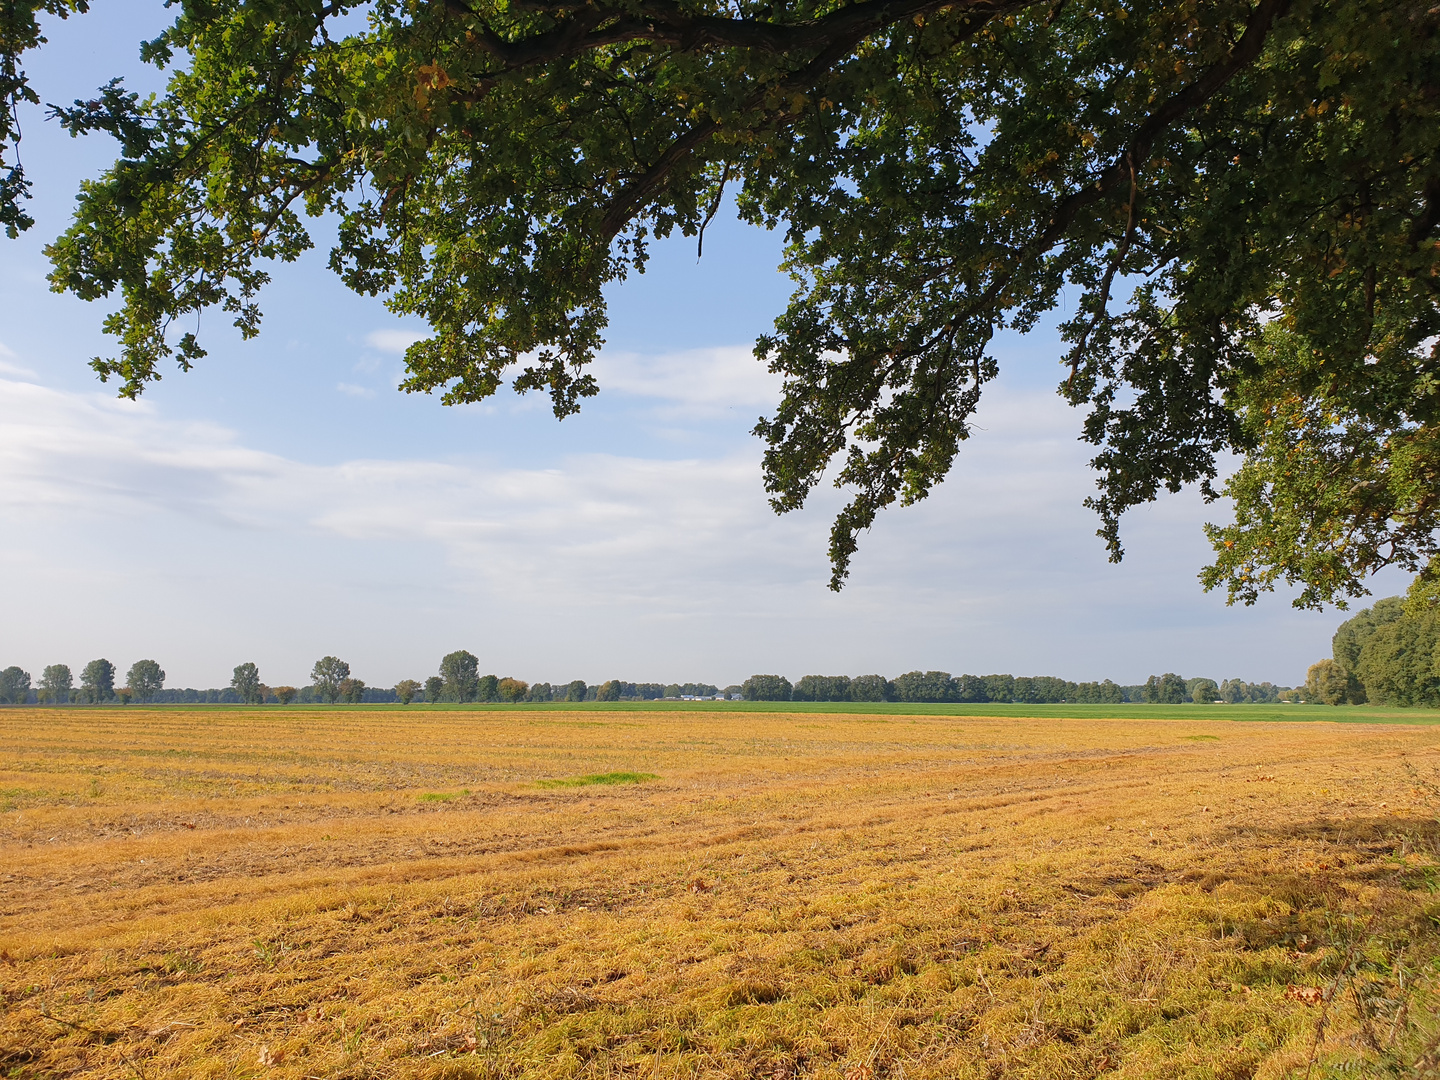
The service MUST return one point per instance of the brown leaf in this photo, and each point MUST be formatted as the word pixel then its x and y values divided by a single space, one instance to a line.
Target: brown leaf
pixel 1309 995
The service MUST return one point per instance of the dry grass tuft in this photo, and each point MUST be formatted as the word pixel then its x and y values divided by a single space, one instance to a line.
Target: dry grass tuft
pixel 359 893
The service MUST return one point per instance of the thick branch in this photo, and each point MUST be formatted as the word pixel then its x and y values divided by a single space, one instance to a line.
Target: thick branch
pixel 664 21
pixel 1245 53
pixel 632 196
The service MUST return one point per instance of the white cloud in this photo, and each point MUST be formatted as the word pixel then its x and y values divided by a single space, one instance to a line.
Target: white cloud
pixel 698 380
pixel 355 391
pixel 9 366
pixel 210 551
pixel 393 341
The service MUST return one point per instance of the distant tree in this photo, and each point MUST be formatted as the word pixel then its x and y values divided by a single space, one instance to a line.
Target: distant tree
pixel 1267 691
pixel 1354 633
pixel 512 690
pixel 1042 690
pixel 461 672
pixel 352 691
pixel 55 683
pixel 869 688
pixel 245 681
pixel 327 674
pixel 284 694
pixel 541 691
pixel 924 686
pixel 673 690
pixel 97 682
pixel 575 691
pixel 145 679
pixel 733 691
pixel 1101 693
pixel 434 689
pixel 767 688
pixel 1397 664
pixel 1204 691
pixel 971 688
pixel 609 690
pixel 999 688
pixel 488 688
pixel 1326 683
pixel 1388 651
pixel 125 695
pixel 14 686
pixel 822 688
pixel 406 689
pixel 1167 689
pixel 1024 690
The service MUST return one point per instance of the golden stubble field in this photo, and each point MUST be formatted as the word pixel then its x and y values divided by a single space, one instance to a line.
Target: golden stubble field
pixel 373 893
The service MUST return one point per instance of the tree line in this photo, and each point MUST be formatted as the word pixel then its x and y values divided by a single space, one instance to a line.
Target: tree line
pixel 941 686
pixel 332 682
pixel 1388 654
pixel 57 684
pixel 458 680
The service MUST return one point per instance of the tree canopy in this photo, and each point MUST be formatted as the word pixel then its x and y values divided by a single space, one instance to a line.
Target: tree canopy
pixel 1388 654
pixel 327 675
pixel 245 681
pixel 460 671
pixel 97 681
pixel 144 679
pixel 1235 201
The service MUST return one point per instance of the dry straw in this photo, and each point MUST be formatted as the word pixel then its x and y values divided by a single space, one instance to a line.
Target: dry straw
pixel 365 893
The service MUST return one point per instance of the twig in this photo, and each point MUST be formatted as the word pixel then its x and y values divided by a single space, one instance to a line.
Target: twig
pixel 1334 990
pixel 1121 250
pixel 710 214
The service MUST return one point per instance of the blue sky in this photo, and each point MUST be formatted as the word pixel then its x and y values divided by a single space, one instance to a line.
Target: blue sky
pixel 284 501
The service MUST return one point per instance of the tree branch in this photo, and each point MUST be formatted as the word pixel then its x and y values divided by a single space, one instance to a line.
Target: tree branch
pixel 623 206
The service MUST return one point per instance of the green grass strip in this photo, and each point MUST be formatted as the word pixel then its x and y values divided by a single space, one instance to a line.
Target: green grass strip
pixel 600 778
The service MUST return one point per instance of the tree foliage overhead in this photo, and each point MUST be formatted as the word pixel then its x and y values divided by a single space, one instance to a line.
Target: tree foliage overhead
pixel 19 32
pixel 1190 173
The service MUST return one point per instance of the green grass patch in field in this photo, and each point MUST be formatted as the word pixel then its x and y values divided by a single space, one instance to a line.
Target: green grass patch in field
pixel 600 778
pixel 443 796
pixel 1201 738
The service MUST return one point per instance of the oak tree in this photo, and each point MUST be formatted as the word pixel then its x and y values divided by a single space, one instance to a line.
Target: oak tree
pixel 1237 201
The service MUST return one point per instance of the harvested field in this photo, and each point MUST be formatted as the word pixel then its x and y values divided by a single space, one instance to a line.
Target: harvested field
pixel 366 892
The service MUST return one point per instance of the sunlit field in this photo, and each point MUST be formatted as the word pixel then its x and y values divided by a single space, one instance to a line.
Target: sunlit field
pixel 374 892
